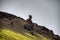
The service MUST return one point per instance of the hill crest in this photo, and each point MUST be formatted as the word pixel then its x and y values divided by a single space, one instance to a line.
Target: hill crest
pixel 17 24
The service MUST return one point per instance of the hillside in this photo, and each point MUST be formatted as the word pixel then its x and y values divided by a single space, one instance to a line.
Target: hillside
pixel 16 28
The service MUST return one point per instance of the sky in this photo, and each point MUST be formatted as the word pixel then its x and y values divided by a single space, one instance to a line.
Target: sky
pixel 44 12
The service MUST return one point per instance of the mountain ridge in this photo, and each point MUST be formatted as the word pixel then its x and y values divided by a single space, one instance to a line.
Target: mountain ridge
pixel 18 24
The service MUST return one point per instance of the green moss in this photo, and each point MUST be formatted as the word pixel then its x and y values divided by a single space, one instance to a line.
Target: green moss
pixel 6 34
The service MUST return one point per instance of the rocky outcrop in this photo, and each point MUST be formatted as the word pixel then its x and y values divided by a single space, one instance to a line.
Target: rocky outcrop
pixel 15 23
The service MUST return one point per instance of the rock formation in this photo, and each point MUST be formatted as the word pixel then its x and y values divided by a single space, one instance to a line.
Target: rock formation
pixel 18 24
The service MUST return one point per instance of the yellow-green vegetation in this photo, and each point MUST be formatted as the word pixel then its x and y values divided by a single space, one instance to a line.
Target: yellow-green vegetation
pixel 6 34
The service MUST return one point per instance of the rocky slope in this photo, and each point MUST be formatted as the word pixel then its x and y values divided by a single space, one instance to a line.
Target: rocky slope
pixel 16 28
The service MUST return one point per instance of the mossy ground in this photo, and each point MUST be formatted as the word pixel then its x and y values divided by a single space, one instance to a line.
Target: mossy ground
pixel 6 34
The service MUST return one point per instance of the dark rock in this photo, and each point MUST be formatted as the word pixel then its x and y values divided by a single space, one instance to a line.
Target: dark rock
pixel 28 27
pixel 6 15
pixel 26 24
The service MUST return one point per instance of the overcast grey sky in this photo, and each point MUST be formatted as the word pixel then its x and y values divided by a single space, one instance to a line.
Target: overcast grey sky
pixel 44 12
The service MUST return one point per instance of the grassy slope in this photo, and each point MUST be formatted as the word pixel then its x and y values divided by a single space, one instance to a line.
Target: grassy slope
pixel 6 34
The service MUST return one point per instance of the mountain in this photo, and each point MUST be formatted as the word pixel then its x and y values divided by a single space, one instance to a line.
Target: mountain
pixel 16 28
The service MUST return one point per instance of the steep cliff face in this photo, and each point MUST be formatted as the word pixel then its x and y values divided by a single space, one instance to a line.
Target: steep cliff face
pixel 13 25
